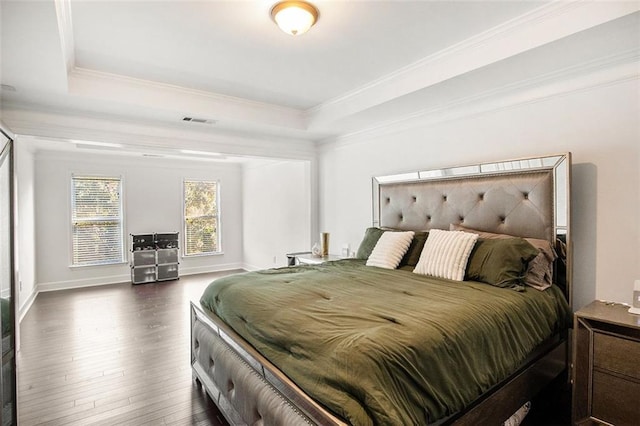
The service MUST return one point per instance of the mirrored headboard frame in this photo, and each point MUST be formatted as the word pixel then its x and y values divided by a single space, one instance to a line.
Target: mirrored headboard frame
pixel 547 177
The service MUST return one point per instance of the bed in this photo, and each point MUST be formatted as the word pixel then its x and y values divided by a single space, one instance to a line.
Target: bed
pixel 353 342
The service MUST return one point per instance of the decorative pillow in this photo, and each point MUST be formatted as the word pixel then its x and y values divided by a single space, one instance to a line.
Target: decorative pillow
pixel 501 262
pixel 389 249
pixel 371 237
pixel 540 270
pixel 445 254
pixel 412 255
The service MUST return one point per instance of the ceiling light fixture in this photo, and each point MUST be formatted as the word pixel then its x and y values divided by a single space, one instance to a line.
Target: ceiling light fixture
pixel 294 17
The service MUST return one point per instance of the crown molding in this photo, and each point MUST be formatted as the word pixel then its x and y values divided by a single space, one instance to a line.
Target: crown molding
pixel 548 23
pixel 79 79
pixel 247 103
pixel 64 125
pixel 603 72
pixel 113 158
pixel 150 94
pixel 65 31
pixel 6 130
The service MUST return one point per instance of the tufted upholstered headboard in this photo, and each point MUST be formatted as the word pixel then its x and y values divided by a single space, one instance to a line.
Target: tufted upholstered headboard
pixel 527 198
pixel 507 204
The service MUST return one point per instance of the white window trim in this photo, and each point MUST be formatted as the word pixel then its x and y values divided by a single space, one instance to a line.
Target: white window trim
pixel 184 219
pixel 123 257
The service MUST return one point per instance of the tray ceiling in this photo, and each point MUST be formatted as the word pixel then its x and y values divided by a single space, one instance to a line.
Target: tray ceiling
pixel 364 65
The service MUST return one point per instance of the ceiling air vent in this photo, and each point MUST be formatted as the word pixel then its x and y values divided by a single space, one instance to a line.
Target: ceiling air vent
pixel 199 120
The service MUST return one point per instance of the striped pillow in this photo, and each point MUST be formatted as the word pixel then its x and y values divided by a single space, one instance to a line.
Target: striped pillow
pixel 445 254
pixel 390 249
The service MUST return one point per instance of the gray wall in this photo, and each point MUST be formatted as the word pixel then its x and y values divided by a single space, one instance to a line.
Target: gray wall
pixel 276 211
pixel 152 203
pixel 598 125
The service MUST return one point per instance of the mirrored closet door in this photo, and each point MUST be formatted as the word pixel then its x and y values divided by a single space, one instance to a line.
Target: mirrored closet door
pixel 7 294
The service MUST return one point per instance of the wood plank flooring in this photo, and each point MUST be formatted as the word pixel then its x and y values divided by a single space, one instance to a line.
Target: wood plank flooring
pixel 115 354
pixel 120 355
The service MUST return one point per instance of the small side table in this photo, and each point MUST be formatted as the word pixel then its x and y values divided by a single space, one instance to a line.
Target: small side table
pixel 307 258
pixel 606 369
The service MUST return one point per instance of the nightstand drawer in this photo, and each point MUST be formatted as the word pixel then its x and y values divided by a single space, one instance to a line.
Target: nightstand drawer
pixel 616 354
pixel 615 400
pixel 606 373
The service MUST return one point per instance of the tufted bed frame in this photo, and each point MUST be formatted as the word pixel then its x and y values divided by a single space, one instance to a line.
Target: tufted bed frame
pixel 527 198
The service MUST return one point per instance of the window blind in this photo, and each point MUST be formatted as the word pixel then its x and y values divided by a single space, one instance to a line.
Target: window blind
pixel 96 215
pixel 201 218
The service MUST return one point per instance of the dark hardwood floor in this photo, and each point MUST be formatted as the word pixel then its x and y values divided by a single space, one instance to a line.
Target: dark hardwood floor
pixel 120 354
pixel 115 354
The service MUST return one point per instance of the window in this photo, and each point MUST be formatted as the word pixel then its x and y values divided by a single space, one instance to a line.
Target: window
pixel 96 215
pixel 201 218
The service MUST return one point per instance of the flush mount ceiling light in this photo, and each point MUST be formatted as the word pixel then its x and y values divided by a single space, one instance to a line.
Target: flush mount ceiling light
pixel 294 17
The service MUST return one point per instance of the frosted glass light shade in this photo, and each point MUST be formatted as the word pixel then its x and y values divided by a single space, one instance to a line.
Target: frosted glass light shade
pixel 294 17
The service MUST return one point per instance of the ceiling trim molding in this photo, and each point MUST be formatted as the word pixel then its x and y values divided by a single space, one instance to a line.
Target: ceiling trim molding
pixel 272 114
pixel 579 78
pixel 543 25
pixel 65 31
pixel 65 126
pixel 167 160
pixel 88 73
pixel 6 130
pixel 124 89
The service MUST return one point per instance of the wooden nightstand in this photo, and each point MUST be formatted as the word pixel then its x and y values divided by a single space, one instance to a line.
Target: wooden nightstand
pixel 606 365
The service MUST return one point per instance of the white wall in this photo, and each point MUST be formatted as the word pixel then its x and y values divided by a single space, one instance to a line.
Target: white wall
pixel 599 126
pixel 276 211
pixel 152 203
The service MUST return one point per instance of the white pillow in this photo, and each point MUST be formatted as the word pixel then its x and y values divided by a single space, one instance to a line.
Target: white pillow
pixel 445 254
pixel 390 249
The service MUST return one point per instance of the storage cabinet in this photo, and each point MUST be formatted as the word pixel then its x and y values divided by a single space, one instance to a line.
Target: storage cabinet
pixel 606 375
pixel 154 257
pixel 144 257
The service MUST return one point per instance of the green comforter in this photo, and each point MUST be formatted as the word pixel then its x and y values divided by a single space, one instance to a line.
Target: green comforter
pixel 379 346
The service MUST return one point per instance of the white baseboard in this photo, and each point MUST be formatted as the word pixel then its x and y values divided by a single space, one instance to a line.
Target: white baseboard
pixel 116 279
pixel 84 282
pixel 22 311
pixel 211 268
pixel 248 267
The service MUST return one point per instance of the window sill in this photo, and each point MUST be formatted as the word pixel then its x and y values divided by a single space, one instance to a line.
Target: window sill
pixel 216 253
pixel 124 262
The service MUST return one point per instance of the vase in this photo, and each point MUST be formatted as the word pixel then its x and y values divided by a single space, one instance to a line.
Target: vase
pixel 324 238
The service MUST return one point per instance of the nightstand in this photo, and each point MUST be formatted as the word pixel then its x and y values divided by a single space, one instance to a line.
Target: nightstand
pixel 606 365
pixel 307 258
